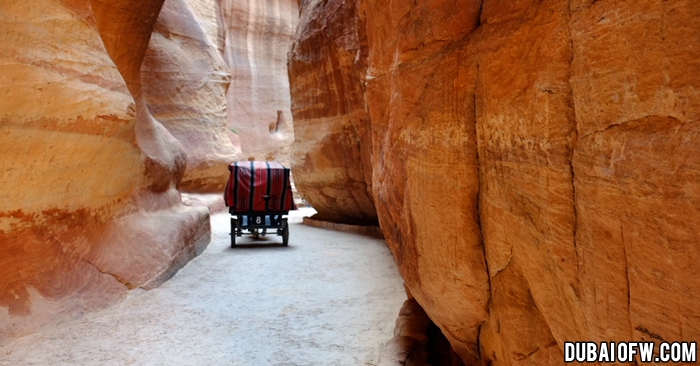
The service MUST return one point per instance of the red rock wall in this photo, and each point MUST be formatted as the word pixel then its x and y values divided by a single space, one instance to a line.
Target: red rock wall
pixel 534 163
pixel 636 166
pixel 332 159
pixel 89 207
pixel 421 101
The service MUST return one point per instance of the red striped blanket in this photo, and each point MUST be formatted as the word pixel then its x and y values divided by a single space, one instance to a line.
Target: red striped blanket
pixel 258 186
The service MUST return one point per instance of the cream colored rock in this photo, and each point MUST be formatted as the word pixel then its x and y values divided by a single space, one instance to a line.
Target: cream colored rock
pixel 257 38
pixel 84 164
pixel 185 82
pixel 208 16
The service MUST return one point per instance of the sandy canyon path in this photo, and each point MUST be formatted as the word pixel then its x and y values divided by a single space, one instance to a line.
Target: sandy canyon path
pixel 330 298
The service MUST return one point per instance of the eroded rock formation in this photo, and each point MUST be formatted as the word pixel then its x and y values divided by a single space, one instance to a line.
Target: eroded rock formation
pixel 332 153
pixel 185 81
pixel 534 163
pixel 89 206
pixel 257 37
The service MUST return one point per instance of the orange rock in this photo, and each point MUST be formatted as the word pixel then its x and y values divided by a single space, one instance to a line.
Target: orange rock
pixel 636 81
pixel 534 163
pixel 333 150
pixel 90 206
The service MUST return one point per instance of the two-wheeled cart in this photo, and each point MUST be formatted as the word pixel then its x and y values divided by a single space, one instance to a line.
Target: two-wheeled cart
pixel 259 196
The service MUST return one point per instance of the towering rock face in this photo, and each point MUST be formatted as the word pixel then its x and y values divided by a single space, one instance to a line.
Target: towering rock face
pixel 636 167
pixel 257 38
pixel 420 95
pixel 185 82
pixel 534 163
pixel 332 154
pixel 90 206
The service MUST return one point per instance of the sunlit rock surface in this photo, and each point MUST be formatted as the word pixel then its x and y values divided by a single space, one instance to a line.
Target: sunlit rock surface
pixel 89 206
pixel 534 163
pixel 185 81
pixel 208 16
pixel 257 37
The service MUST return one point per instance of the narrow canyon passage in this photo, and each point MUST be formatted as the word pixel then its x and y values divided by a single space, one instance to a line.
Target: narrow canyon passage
pixel 330 298
pixel 534 166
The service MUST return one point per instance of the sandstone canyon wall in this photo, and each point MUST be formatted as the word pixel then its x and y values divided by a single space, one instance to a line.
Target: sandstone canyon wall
pixel 332 152
pixel 89 206
pixel 185 82
pixel 534 164
pixel 257 35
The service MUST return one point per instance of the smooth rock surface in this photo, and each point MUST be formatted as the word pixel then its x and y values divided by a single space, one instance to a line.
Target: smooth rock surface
pixel 89 206
pixel 257 38
pixel 185 81
pixel 329 298
pixel 208 16
pixel 332 160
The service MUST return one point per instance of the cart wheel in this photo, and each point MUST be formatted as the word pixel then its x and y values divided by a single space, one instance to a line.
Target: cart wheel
pixel 285 232
pixel 234 232
pixel 256 233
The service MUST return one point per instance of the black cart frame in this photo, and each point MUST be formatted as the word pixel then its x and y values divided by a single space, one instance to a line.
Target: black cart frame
pixel 257 223
pixel 259 197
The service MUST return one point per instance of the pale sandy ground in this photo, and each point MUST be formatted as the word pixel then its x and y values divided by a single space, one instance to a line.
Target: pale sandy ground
pixel 330 298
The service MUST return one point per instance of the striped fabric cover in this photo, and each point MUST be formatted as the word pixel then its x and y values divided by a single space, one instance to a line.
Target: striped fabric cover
pixel 250 182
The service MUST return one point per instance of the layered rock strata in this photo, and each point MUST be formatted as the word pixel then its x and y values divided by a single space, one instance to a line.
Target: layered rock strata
pixel 332 155
pixel 90 207
pixel 185 81
pixel 257 35
pixel 534 163
pixel 209 17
